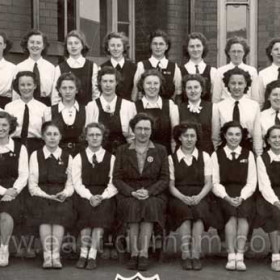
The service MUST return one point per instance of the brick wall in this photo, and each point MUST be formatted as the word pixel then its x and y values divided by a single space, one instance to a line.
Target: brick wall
pixel 168 15
pixel 268 28
pixel 206 22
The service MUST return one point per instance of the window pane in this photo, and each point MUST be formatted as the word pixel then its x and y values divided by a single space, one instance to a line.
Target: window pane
pixel 123 27
pixel 71 15
pixel 123 10
pixel 237 18
pixel 238 1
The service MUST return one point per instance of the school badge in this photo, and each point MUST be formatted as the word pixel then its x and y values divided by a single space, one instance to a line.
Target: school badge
pixel 137 276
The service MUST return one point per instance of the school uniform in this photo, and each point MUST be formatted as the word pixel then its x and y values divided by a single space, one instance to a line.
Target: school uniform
pixel 266 76
pixel 127 70
pixel 7 73
pixel 36 119
pixel 206 71
pixel 47 74
pixel 169 70
pixel 94 178
pixel 220 91
pixel 235 177
pixel 50 173
pixel 83 69
pixel 268 119
pixel 188 175
pixel 249 118
pixel 166 116
pixel 268 166
pixel 200 114
pixel 135 171
pixel 115 116
pixel 71 122
pixel 14 174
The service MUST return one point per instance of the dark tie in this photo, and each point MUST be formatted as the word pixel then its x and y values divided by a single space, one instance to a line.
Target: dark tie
pixel 118 68
pixel 278 78
pixel 236 113
pixel 25 123
pixel 277 121
pixel 94 160
pixel 37 91
pixel 196 69
pixel 158 67
pixel 233 154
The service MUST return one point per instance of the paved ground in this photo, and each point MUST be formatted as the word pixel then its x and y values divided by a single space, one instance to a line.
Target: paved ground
pixel 20 269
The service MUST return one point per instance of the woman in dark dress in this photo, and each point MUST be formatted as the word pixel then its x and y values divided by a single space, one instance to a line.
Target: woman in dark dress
pixel 268 206
pixel 68 114
pixel 141 177
pixel 111 110
pixel 75 50
pixel 190 181
pixel 234 183
pixel 195 109
pixel 51 187
pixel 116 45
pixel 95 205
pixel 163 111
pixel 13 178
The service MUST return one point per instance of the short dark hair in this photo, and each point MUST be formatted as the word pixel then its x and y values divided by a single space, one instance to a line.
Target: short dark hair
pixel 181 128
pixel 193 77
pixel 81 36
pixel 237 71
pixel 46 125
pixel 11 120
pixel 7 41
pixel 110 70
pixel 101 126
pixel 30 33
pixel 201 38
pixel 237 40
pixel 151 72
pixel 269 88
pixel 141 117
pixel 118 35
pixel 270 47
pixel 22 74
pixel 163 34
pixel 229 125
pixel 68 77
pixel 267 135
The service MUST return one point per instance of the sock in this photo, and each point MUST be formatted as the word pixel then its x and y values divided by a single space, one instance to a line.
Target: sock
pixel 47 254
pixel 231 256
pixel 239 256
pixel 4 247
pixel 84 252
pixel 275 257
pixel 56 255
pixel 92 253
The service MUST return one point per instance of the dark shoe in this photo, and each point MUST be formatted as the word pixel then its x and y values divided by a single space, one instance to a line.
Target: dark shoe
pixel 143 263
pixel 132 263
pixel 81 263
pixel 91 264
pixel 187 264
pixel 197 265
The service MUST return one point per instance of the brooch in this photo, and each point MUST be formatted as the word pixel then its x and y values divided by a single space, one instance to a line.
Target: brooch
pixel 150 159
pixel 60 162
pixel 12 154
pixel 244 161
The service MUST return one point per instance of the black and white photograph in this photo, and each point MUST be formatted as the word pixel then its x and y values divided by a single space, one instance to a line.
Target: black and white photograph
pixel 139 139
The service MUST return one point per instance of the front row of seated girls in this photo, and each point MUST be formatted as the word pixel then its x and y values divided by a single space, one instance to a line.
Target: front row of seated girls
pixel 139 180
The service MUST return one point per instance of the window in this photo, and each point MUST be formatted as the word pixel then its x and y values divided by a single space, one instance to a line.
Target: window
pixel 237 18
pixel 66 17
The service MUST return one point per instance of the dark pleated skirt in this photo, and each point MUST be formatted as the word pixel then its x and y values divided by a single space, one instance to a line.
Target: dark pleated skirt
pixel 268 216
pixel 101 216
pixel 246 210
pixel 178 211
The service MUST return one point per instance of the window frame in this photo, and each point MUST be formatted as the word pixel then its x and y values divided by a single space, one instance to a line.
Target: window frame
pixel 252 30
